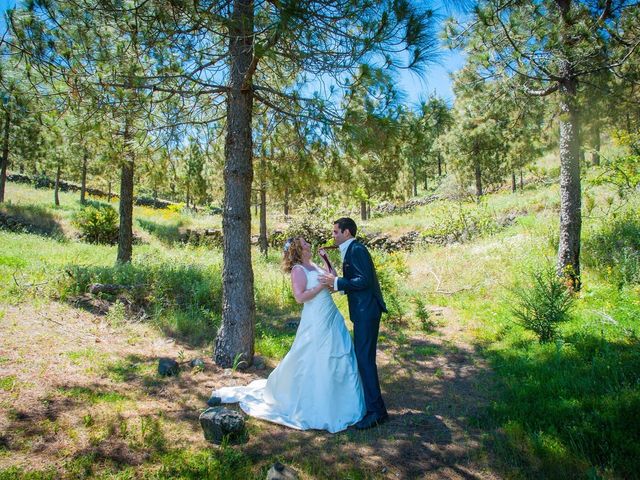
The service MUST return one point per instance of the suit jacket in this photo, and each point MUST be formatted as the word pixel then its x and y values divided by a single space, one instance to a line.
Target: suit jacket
pixel 360 283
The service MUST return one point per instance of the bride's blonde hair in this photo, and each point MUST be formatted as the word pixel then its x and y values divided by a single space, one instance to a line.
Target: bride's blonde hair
pixel 292 254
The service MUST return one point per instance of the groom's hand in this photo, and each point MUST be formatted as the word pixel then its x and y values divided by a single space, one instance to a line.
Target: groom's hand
pixel 327 279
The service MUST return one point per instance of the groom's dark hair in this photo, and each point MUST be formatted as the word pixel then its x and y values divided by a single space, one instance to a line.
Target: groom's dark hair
pixel 346 223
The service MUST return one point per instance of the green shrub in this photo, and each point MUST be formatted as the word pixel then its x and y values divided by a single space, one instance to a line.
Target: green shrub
pixel 615 248
pixel 183 300
pixel 30 219
pixel 98 223
pixel 392 269
pixel 460 223
pixel 543 304
pixel 313 231
pixel 422 313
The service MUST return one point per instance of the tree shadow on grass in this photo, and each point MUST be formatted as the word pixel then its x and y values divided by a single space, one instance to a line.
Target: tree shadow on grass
pixel 167 234
pixel 567 410
pixel 30 219
pixel 122 435
pixel 429 432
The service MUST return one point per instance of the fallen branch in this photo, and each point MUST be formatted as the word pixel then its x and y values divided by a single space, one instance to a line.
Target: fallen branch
pixel 447 292
pixel 28 285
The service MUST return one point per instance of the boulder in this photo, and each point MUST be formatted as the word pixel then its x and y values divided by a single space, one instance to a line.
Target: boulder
pixel 214 401
pixel 219 423
pixel 278 471
pixel 259 363
pixel 168 367
pixel 196 363
pixel 292 324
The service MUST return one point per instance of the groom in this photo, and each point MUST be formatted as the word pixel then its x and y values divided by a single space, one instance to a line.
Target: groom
pixel 360 283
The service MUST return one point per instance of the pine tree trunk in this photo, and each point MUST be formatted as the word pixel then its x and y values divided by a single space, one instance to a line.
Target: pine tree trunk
pixel 5 153
pixel 521 181
pixel 595 156
pixel 109 191
pixel 478 175
pixel 570 201
pixel 56 188
pixel 234 342
pixel 286 203
pixel 83 188
pixel 415 185
pixel 125 236
pixel 187 199
pixel 363 210
pixel 513 181
pixel 439 165
pixel 368 210
pixel 262 240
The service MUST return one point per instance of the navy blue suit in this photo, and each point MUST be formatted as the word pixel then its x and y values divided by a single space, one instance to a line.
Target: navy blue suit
pixel 360 283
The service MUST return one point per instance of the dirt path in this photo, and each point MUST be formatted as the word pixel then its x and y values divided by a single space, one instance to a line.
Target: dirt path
pixel 74 386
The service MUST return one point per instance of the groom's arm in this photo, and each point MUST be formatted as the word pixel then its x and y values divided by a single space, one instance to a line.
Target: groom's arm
pixel 362 267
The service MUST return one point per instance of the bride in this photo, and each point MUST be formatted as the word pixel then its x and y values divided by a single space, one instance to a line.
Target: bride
pixel 317 384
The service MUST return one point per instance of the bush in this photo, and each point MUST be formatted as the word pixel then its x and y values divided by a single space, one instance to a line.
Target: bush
pixel 30 219
pixel 422 313
pixel 184 300
pixel 313 231
pixel 392 269
pixel 543 304
pixel 98 223
pixel 460 223
pixel 615 248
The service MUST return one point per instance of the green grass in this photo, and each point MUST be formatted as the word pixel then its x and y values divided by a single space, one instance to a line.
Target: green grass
pixel 85 356
pixel 225 463
pixel 129 368
pixel 426 350
pixel 91 395
pixel 8 383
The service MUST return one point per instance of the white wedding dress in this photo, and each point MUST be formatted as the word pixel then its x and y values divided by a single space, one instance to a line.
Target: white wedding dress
pixel 317 384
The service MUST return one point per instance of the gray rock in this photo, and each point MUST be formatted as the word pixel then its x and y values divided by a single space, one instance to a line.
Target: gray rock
pixel 279 471
pixel 258 363
pixel 168 367
pixel 293 324
pixel 196 362
pixel 214 401
pixel 219 423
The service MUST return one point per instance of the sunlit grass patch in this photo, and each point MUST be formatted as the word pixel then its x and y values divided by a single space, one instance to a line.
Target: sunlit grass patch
pixel 225 463
pixel 8 383
pixel 18 473
pixel 426 350
pixel 272 342
pixel 86 357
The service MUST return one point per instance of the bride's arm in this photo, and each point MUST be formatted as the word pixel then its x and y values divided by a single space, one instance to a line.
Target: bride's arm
pixel 299 285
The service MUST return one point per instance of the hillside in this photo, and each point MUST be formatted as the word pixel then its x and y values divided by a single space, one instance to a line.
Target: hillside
pixel 471 393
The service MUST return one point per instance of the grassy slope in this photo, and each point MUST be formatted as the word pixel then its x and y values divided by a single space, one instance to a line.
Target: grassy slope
pixel 559 409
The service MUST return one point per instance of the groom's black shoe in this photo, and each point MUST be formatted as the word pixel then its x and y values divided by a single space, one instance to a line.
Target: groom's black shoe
pixel 371 420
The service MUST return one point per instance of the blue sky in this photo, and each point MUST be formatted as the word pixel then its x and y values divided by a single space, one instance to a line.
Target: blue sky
pixel 436 78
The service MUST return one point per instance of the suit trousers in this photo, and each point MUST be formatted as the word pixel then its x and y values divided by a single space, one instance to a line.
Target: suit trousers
pixel 365 340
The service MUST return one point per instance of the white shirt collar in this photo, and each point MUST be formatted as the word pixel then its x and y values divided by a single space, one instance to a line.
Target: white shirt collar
pixel 344 246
